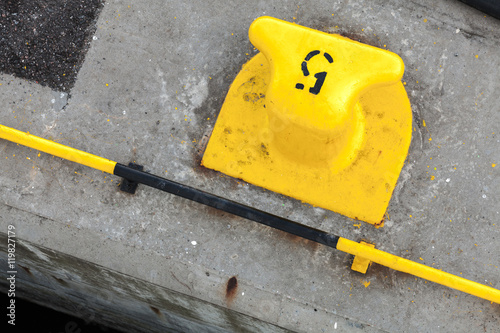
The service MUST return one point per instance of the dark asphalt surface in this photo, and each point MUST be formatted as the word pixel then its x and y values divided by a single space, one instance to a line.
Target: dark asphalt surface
pixel 46 40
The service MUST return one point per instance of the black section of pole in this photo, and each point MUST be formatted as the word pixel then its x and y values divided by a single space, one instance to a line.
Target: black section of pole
pixel 226 205
pixel 490 7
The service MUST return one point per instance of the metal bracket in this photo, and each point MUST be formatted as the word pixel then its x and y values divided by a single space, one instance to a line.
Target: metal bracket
pixel 129 186
pixel 361 264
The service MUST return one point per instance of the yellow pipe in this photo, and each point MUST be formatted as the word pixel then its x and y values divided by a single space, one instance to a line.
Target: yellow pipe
pixel 422 271
pixel 345 245
pixel 57 149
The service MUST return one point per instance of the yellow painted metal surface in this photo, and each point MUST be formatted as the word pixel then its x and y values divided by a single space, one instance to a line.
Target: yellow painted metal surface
pixel 422 271
pixel 57 149
pixel 317 117
pixel 360 263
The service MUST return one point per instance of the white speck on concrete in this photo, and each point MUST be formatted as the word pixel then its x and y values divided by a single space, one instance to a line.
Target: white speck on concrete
pixel 196 91
pixel 53 100
pixel 163 95
pixel 335 326
pixel 484 196
pixel 194 242
pixel 448 180
pixel 94 38
pixel 457 31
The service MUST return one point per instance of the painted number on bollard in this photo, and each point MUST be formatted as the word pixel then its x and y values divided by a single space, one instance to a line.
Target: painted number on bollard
pixel 320 77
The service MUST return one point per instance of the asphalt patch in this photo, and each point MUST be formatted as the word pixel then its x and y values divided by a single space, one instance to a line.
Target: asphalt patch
pixel 46 40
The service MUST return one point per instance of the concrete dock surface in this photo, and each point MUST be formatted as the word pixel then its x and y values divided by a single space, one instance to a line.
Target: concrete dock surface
pixel 147 88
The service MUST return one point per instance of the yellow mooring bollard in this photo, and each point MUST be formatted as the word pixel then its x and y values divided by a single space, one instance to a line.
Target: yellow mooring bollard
pixel 317 117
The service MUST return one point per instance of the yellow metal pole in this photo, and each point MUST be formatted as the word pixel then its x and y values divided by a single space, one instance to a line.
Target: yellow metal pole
pixel 345 245
pixel 57 149
pixel 422 271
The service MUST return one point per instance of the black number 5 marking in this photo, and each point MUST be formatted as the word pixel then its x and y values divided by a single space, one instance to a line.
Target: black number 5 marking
pixel 320 77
